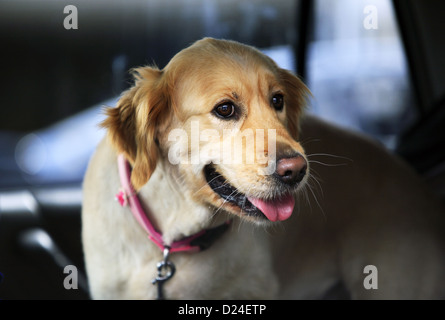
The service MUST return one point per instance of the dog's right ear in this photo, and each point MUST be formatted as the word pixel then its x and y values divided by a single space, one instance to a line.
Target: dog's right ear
pixel 132 123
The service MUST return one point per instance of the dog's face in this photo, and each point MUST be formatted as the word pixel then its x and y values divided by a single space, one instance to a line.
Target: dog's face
pixel 222 118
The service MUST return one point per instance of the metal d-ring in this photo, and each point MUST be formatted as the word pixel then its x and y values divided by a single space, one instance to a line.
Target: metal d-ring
pixel 166 270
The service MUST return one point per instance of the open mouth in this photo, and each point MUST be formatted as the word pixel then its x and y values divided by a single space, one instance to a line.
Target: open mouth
pixel 278 209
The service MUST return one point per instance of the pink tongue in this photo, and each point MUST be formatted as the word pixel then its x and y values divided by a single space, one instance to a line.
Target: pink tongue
pixel 278 209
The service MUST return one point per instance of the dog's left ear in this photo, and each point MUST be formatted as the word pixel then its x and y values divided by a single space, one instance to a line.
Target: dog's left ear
pixel 132 123
pixel 296 96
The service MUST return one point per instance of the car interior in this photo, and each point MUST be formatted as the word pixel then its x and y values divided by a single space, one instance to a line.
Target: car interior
pixel 373 66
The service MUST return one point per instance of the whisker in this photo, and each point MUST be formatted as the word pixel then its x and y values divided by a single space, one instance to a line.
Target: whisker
pixel 329 155
pixel 318 203
pixel 206 183
pixel 308 141
pixel 314 178
pixel 305 196
pixel 327 164
pixel 236 191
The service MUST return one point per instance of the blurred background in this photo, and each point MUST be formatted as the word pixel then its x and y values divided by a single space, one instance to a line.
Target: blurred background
pixel 374 66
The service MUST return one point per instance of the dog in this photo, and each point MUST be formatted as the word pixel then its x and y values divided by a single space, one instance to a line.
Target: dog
pixel 308 211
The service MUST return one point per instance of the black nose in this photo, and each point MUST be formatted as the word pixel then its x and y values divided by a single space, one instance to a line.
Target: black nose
pixel 291 170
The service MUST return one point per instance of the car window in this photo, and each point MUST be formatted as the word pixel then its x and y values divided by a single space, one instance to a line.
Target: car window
pixel 357 68
pixel 49 131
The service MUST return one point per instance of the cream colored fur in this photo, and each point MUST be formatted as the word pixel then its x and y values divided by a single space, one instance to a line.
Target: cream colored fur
pixel 358 206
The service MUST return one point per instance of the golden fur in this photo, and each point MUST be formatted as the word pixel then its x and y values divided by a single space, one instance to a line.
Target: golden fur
pixel 364 207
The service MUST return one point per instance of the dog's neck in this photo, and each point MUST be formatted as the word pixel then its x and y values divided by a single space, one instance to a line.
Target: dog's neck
pixel 172 210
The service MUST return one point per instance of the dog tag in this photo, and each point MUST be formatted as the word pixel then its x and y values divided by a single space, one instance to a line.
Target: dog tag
pixel 166 270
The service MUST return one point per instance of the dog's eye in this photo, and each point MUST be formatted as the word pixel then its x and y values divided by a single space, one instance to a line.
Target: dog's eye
pixel 278 102
pixel 225 110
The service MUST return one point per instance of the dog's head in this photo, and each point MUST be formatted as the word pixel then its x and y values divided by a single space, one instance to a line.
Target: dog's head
pixel 223 119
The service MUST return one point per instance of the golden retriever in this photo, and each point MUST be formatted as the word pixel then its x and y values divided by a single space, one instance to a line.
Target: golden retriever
pixel 314 211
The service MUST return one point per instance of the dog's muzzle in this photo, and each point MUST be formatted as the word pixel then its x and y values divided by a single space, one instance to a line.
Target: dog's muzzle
pixel 290 171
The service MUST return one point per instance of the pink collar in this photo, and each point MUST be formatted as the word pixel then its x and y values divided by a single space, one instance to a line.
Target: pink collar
pixel 128 196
